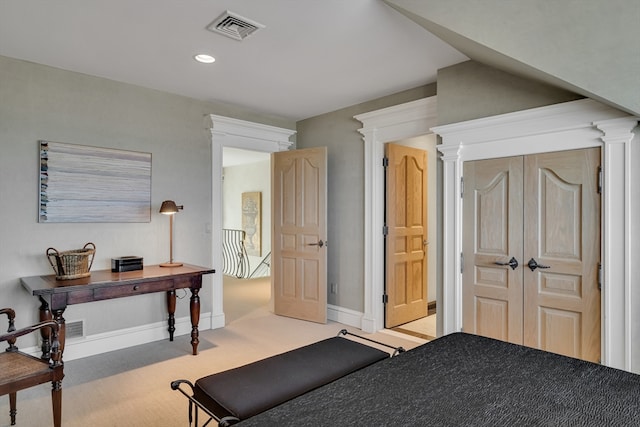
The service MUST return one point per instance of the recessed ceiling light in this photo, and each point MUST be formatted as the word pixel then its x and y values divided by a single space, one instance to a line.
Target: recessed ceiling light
pixel 205 59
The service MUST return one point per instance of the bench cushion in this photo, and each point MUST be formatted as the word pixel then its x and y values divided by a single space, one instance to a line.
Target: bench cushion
pixel 248 390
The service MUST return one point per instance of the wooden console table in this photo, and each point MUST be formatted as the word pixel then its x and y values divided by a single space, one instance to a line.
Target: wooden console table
pixel 56 295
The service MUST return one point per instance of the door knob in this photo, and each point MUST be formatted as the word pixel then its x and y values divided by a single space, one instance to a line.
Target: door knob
pixel 533 265
pixel 513 263
pixel 320 243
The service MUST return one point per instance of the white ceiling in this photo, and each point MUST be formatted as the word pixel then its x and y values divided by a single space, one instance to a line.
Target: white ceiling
pixel 313 56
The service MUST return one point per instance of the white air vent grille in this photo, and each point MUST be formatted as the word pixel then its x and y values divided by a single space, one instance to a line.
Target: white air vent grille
pixel 234 26
pixel 74 329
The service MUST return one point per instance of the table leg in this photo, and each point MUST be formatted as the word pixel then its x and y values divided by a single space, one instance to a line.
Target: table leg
pixel 171 308
pixel 195 318
pixel 62 329
pixel 45 333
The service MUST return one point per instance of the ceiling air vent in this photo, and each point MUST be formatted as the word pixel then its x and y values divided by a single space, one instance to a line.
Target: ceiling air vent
pixel 234 26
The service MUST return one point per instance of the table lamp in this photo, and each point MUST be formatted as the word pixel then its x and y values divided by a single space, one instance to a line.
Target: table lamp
pixel 170 208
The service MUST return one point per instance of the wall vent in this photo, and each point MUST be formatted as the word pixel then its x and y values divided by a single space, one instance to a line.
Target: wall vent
pixel 74 329
pixel 234 26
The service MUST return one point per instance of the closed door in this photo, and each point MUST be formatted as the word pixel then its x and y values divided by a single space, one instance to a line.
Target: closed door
pixel 406 239
pixel 299 247
pixel 541 212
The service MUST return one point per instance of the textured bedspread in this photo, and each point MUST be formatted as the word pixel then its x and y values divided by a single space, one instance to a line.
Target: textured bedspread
pixel 466 380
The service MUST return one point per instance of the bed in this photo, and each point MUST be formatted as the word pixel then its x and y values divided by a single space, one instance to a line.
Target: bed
pixel 467 380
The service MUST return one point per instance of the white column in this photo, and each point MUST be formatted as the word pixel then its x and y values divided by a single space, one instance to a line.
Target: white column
pixel 373 317
pixel 217 309
pixel 617 208
pixel 452 238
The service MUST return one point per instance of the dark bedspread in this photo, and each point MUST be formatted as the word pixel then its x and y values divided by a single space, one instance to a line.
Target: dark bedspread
pixel 466 380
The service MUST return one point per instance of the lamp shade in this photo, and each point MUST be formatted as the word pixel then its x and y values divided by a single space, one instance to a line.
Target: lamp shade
pixel 169 207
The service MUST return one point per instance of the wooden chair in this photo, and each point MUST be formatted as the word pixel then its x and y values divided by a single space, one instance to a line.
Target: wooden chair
pixel 19 371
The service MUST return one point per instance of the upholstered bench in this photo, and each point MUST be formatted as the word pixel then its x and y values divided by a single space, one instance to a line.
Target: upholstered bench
pixel 242 392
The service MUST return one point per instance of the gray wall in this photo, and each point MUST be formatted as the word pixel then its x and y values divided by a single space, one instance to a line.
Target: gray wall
pixel 471 90
pixel 44 103
pixel 338 131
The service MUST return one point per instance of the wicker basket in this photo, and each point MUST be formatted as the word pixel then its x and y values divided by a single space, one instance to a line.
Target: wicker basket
pixel 73 264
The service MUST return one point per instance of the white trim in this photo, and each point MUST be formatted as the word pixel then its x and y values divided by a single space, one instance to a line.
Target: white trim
pixel 379 127
pixel 91 345
pixel 572 125
pixel 228 132
pixel 344 316
pixel 617 206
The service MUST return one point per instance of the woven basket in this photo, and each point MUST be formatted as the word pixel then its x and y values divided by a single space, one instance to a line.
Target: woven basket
pixel 73 264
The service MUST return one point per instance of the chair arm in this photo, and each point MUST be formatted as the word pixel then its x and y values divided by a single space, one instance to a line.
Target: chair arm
pixel 55 344
pixel 11 315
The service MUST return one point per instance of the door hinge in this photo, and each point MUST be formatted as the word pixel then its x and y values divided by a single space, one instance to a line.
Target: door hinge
pixel 385 162
pixel 385 230
pixel 461 263
pixel 600 179
pixel 462 187
pixel 385 299
pixel 599 276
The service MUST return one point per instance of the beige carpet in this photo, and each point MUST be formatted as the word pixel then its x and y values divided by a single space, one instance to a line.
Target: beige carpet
pixel 130 387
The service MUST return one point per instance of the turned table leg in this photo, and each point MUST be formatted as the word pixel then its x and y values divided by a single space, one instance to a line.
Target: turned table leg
pixel 171 308
pixel 195 318
pixel 45 333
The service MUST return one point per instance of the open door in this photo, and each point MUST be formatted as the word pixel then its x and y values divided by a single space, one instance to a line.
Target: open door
pixel 299 221
pixel 406 239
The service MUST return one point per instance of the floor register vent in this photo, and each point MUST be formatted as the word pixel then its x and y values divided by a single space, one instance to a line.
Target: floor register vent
pixel 234 26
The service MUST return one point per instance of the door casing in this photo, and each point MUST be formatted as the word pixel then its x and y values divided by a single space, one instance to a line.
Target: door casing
pixel 577 124
pixel 229 132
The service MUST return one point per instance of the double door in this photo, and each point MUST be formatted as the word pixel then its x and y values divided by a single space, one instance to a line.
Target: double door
pixel 531 251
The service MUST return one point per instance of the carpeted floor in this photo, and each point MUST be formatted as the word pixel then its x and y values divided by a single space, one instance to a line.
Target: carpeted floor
pixel 423 328
pixel 130 387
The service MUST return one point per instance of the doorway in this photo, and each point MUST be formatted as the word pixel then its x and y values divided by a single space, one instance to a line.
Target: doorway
pixel 389 124
pixel 246 223
pixel 227 132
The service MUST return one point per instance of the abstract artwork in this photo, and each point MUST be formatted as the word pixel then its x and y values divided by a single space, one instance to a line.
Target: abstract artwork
pixel 252 222
pixel 91 184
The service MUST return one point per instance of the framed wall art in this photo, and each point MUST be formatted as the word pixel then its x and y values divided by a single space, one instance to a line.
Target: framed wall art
pixel 90 184
pixel 252 222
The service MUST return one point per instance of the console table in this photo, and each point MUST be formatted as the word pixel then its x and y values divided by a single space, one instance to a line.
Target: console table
pixel 56 295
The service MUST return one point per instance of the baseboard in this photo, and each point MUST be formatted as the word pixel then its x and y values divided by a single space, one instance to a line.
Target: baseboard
pixel 345 316
pixel 91 345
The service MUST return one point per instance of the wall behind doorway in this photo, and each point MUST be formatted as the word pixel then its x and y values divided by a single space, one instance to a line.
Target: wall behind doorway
pixel 247 178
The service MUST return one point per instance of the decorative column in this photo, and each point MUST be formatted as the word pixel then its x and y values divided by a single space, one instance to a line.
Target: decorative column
pixel 618 205
pixel 452 241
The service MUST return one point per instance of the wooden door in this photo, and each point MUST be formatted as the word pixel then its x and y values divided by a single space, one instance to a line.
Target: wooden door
pixel 492 218
pixel 406 240
pixel 299 247
pixel 542 210
pixel 562 232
